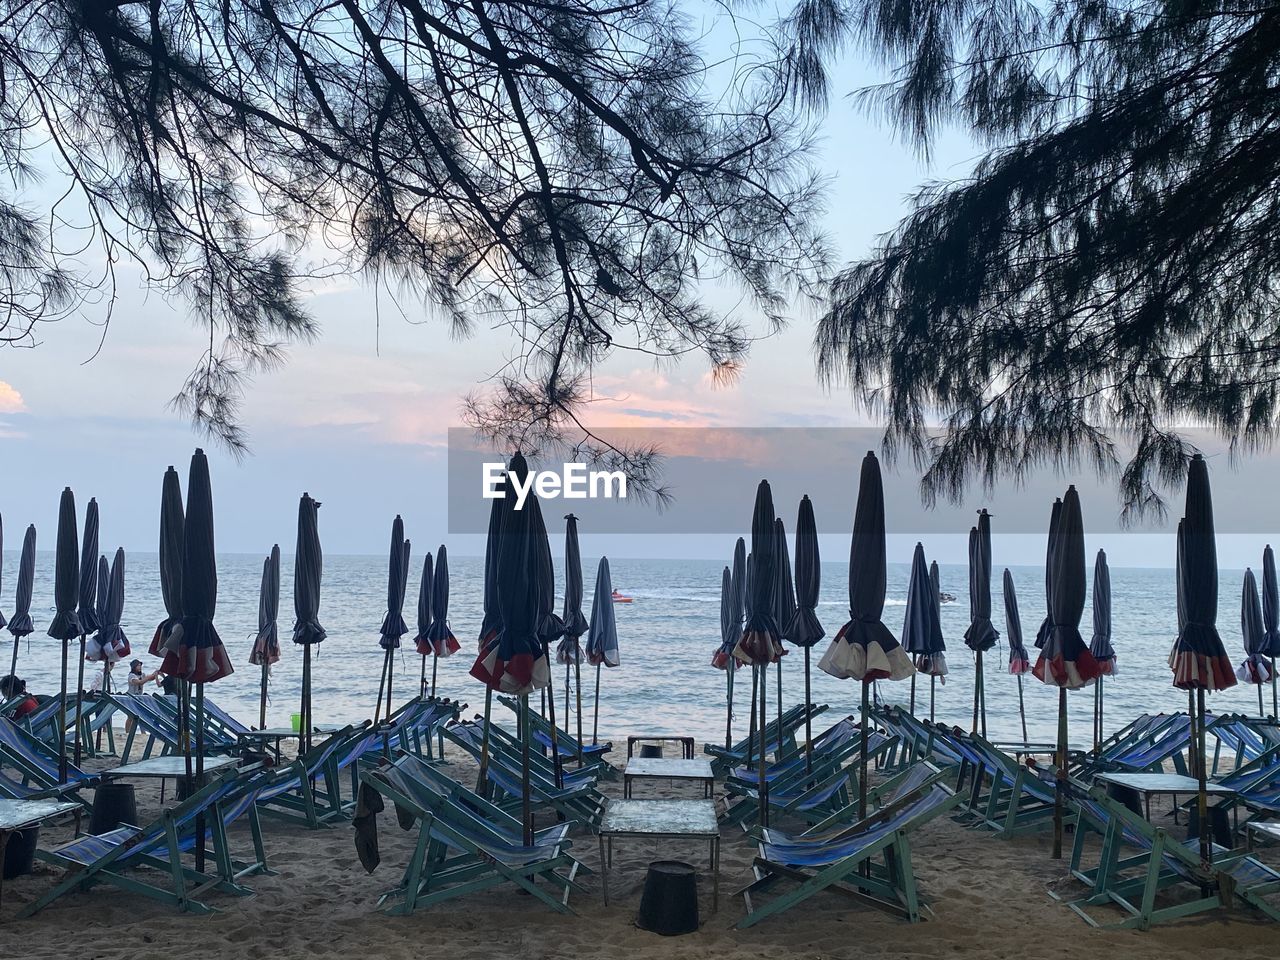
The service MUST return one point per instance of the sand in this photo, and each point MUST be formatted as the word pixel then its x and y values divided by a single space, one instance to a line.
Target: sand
pixel 989 896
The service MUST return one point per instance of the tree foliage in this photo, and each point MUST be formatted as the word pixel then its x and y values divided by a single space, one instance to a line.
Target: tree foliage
pixel 567 168
pixel 1107 274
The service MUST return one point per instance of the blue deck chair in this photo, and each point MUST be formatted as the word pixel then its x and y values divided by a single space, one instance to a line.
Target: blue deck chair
pixel 465 846
pixel 31 763
pixel 567 745
pixel 1164 743
pixel 781 729
pixel 827 743
pixel 868 861
pixel 1135 881
pixel 577 799
pixel 122 857
pixel 308 790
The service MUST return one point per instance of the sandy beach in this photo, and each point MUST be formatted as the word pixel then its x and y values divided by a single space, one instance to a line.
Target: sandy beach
pixel 989 896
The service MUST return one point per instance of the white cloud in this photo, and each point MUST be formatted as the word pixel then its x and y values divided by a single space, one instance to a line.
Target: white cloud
pixel 10 399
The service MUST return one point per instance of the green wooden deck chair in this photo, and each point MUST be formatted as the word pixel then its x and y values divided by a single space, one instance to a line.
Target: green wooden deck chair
pixel 578 799
pixel 780 729
pixel 151 861
pixel 308 790
pixel 1138 882
pixel 567 745
pixel 466 845
pixel 868 861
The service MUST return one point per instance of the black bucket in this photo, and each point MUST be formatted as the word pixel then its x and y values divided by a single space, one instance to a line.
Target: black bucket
pixel 20 852
pixel 113 804
pixel 651 751
pixel 669 903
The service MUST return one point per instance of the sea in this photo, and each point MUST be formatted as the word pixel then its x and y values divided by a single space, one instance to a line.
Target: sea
pixel 665 683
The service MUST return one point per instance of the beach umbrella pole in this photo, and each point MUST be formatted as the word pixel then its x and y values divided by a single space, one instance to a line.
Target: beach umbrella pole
pixel 862 760
pixel 551 718
pixel 484 742
pixel 1262 711
pixel 728 711
pixel 1022 710
pixel 526 807
pixel 762 784
pixel 199 774
pixel 391 666
pixel 595 713
pixel 977 690
pixel 79 699
pixel 262 697
pixel 1275 706
pixel 779 713
pixel 305 732
pixel 751 728
pixel 1061 777
pixel 577 684
pixel 435 666
pixel 1202 776
pixel 933 690
pixel 808 717
pixel 913 695
pixel 62 721
pixel 13 662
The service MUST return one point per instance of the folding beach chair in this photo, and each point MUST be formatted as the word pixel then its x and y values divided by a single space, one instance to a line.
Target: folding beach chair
pixel 868 861
pixel 123 857
pixel 308 790
pixel 1135 882
pixel 567 745
pixel 31 764
pixel 466 845
pixel 778 730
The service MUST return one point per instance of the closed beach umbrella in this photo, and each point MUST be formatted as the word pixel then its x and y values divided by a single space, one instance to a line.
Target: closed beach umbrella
pixel 172 523
pixel 1100 646
pixel 110 645
pixel 723 657
pixel 1198 660
pixel 65 625
pixel 86 606
pixel 440 637
pixel 512 663
pixel 308 570
pixel 569 651
pixel 1047 623
pixel 982 634
pixel 20 624
pixel 201 656
pixel 1019 659
pixel 922 628
pixel 393 625
pixel 761 644
pixel 550 626
pixel 266 644
pixel 804 628
pixel 1065 661
pixel 1254 668
pixel 86 598
pixel 492 621
pixel 1271 618
pixel 602 635
pixel 426 616
pixel 865 649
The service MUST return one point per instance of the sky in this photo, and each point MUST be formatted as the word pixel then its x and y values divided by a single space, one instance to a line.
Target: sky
pixel 359 419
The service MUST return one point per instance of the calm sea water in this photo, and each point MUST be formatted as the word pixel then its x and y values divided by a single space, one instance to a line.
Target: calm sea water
pixel 666 638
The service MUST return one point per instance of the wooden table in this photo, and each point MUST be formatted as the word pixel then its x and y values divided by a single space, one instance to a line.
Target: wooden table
pixel 660 819
pixel 18 815
pixel 276 734
pixel 1148 785
pixel 660 768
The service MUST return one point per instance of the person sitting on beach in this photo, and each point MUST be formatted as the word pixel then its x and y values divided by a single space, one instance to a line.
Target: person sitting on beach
pixel 12 687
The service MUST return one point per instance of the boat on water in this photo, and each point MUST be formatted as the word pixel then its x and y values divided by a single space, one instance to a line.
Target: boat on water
pixel 946 598
pixel 620 598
